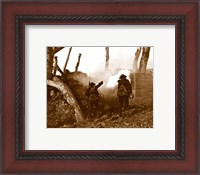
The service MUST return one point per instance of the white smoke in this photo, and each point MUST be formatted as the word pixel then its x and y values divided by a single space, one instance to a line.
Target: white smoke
pixel 112 81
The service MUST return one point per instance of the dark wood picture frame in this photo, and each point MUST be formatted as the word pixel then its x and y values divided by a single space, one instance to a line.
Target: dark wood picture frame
pixel 184 15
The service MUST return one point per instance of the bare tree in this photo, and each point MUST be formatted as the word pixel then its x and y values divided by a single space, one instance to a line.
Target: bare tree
pixel 107 58
pixel 137 54
pixel 144 59
pixel 78 62
pixel 70 49
pixel 55 63
pixel 51 51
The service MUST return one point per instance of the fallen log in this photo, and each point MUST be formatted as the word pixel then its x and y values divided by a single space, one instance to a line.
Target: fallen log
pixel 68 96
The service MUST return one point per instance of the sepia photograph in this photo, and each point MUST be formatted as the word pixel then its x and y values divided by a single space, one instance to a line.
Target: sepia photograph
pixel 100 87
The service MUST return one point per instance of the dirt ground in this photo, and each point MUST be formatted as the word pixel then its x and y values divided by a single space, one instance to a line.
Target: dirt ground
pixel 138 115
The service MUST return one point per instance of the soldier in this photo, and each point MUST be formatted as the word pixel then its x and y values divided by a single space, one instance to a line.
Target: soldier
pixel 124 91
pixel 93 98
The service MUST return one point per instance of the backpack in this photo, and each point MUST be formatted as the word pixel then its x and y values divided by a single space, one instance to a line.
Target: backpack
pixel 122 91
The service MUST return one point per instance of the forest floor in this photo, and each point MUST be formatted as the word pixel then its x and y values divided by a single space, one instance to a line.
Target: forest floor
pixel 134 117
pixel 138 115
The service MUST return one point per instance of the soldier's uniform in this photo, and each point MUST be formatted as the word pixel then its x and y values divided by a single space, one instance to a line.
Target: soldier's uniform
pixel 93 99
pixel 124 91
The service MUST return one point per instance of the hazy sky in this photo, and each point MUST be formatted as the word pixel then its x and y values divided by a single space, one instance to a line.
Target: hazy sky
pixel 93 58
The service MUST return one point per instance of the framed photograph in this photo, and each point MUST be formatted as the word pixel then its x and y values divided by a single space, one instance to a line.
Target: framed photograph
pixel 100 87
pixel 124 88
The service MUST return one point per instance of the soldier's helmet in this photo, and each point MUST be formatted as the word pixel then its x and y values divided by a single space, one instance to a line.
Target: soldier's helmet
pixel 92 84
pixel 122 76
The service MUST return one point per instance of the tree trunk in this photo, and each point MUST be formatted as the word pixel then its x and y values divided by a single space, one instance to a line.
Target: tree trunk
pixel 50 56
pixel 51 51
pixel 78 62
pixel 137 54
pixel 144 59
pixel 107 58
pixel 55 63
pixel 59 70
pixel 70 49
pixel 68 96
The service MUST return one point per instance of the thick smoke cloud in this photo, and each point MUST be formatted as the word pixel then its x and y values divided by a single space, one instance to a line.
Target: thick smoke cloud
pixel 93 65
pixel 93 58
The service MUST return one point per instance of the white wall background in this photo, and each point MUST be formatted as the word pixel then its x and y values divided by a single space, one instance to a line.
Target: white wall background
pixel 161 137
